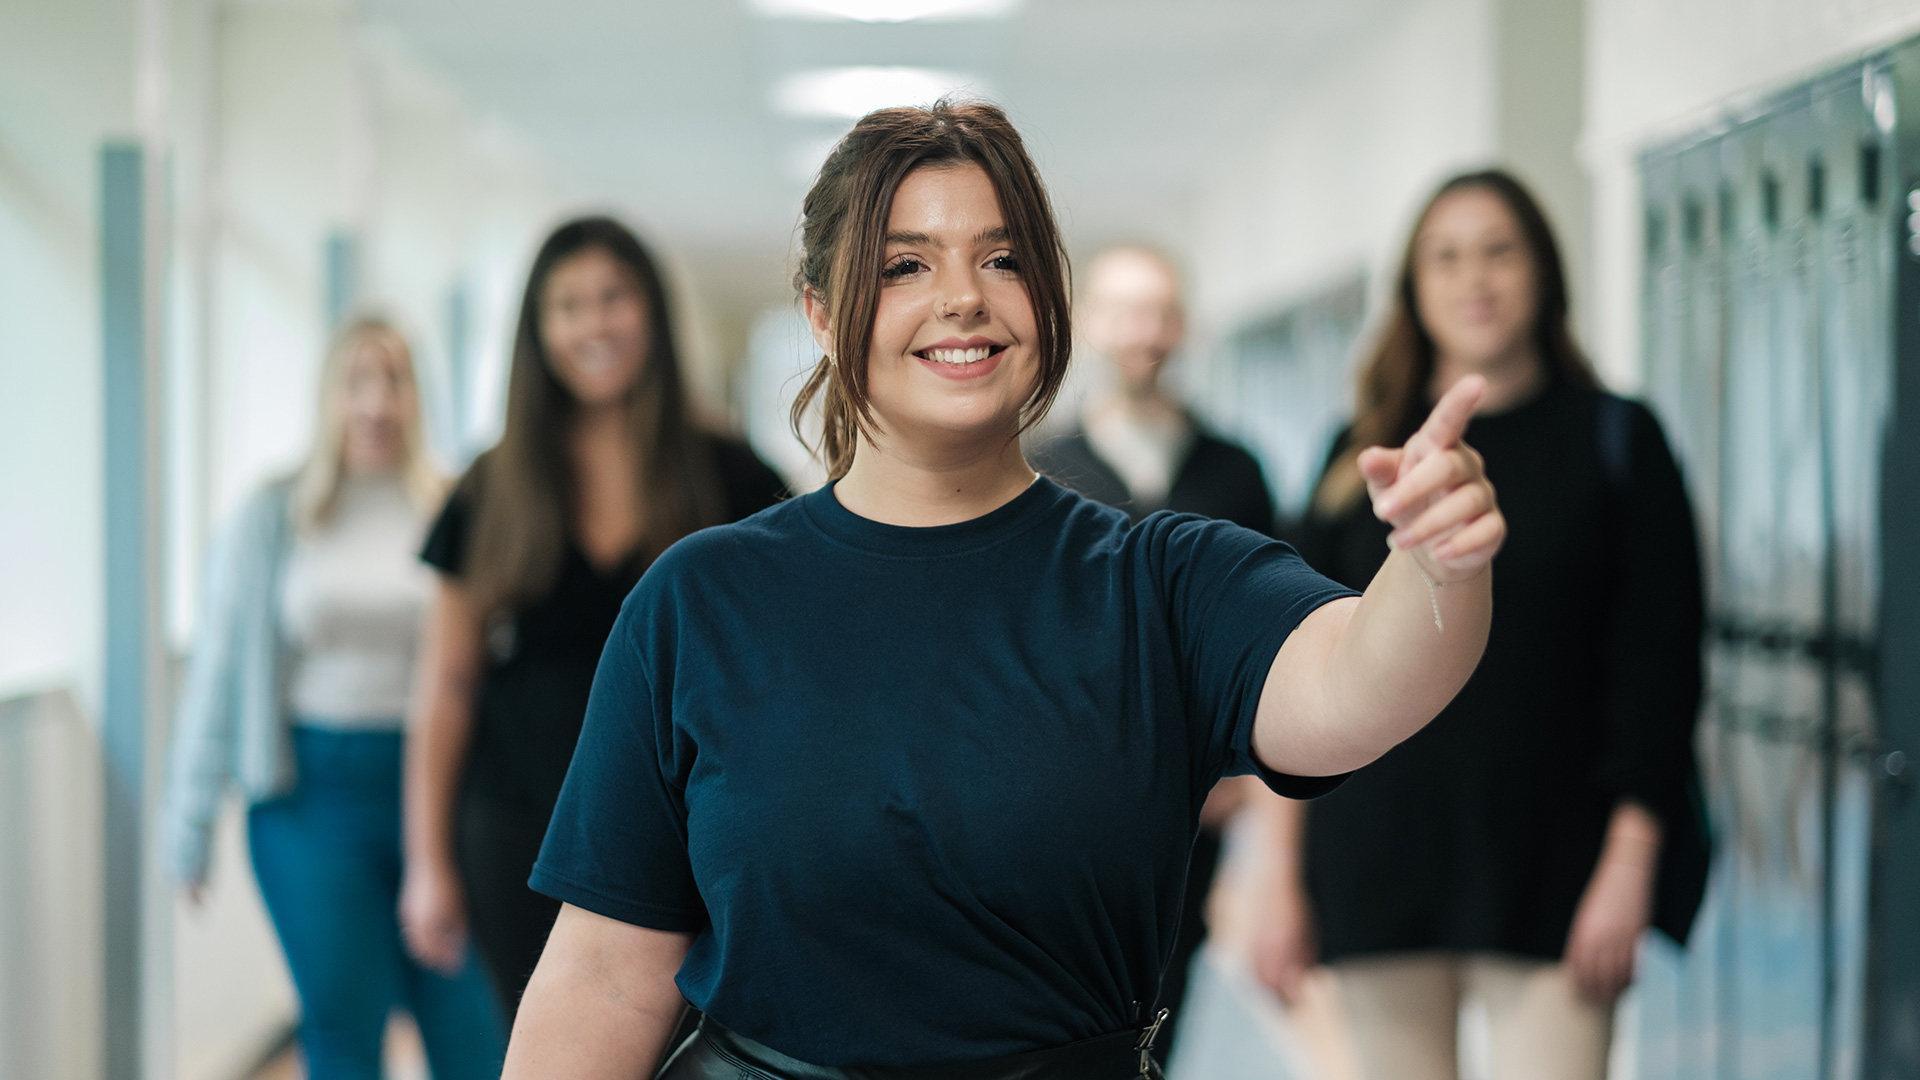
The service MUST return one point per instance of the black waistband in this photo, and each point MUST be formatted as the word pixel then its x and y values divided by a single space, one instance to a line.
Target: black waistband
pixel 714 1053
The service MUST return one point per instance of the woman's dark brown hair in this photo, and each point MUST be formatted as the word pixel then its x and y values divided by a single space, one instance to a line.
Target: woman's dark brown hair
pixel 523 489
pixel 843 239
pixel 1392 397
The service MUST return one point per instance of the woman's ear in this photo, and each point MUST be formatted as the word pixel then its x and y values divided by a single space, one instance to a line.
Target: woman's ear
pixel 819 319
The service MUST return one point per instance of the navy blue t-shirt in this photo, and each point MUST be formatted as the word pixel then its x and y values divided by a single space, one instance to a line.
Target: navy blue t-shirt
pixel 923 795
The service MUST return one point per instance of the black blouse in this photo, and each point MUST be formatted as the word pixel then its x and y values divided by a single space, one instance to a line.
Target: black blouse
pixel 1481 831
pixel 541 658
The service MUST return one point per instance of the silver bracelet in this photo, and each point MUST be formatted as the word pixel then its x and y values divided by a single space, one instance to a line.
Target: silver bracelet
pixel 1433 594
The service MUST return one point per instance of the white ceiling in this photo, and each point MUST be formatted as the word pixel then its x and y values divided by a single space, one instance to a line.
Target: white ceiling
pixel 661 107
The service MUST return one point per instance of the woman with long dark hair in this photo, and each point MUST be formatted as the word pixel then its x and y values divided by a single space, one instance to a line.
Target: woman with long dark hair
pixel 598 470
pixel 899 778
pixel 1515 850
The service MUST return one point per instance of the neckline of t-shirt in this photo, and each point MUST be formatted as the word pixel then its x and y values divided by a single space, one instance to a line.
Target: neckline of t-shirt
pixel 824 511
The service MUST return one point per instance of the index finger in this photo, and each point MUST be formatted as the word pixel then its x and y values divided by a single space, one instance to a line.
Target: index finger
pixel 1448 420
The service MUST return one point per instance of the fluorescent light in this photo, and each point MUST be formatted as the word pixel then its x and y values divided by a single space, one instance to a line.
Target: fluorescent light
pixel 853 92
pixel 886 10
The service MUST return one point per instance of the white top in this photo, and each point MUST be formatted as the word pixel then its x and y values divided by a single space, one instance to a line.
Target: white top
pixel 1146 451
pixel 350 605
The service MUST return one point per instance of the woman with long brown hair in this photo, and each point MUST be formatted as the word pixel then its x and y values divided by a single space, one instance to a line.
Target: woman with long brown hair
pixel 599 470
pixel 1514 850
pixel 900 778
pixel 296 693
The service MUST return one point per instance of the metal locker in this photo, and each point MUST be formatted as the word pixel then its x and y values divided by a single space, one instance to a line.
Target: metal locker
pixel 1769 347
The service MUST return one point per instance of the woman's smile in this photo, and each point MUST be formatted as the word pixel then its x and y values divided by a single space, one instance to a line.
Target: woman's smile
pixel 962 358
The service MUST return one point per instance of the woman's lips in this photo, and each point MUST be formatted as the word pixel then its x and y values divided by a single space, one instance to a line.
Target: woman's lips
pixel 962 363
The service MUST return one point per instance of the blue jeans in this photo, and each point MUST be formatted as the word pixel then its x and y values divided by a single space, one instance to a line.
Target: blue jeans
pixel 328 859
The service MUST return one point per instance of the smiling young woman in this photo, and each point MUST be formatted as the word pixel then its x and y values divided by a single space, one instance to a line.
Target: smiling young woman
pixel 899 778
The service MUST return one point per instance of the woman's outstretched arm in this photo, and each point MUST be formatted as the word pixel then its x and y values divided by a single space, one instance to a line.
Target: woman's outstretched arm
pixel 601 1004
pixel 1358 676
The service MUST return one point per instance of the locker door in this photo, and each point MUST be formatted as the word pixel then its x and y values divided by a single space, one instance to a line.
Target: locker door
pixel 1768 360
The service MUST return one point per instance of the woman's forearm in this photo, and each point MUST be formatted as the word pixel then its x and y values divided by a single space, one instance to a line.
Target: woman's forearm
pixel 1633 836
pixel 1405 653
pixel 601 1004
pixel 442 729
pixel 436 754
pixel 1286 821
pixel 1358 677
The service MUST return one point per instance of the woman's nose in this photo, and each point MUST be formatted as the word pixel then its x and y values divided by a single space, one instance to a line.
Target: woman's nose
pixel 964 300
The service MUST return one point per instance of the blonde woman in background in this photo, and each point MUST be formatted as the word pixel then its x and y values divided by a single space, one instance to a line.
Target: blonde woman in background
pixel 296 691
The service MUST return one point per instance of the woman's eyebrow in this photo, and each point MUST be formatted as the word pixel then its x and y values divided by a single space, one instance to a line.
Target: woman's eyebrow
pixel 996 234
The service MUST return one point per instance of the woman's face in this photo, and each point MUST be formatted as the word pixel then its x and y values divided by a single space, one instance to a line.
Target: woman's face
pixel 593 325
pixel 1474 279
pixel 953 337
pixel 378 406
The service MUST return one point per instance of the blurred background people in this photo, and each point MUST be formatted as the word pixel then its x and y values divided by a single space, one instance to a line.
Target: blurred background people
pixel 599 469
pixel 1515 850
pixel 1137 447
pixel 296 692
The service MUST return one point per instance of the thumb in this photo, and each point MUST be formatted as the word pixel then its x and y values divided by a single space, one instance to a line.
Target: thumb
pixel 1380 466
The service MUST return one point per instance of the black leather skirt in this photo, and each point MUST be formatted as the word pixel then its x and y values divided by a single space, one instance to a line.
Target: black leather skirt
pixel 714 1053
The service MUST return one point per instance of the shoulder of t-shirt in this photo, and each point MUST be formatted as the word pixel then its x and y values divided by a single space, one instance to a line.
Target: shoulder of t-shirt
pixel 1168 528
pixel 718 548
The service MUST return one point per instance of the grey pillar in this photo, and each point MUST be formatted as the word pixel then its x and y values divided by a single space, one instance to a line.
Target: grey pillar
pixel 129 590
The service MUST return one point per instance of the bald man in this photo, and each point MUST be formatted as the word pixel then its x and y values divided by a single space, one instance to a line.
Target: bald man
pixel 1136 447
pixel 1139 449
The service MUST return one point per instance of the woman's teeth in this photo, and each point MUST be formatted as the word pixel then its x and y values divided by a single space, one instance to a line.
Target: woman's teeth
pixel 958 356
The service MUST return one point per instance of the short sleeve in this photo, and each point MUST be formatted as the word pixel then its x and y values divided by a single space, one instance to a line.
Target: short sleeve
pixel 445 548
pixel 1233 596
pixel 617 842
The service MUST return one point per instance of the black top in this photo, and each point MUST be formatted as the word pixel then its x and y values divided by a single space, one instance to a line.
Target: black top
pixel 1481 831
pixel 1216 479
pixel 540 659
pixel 924 795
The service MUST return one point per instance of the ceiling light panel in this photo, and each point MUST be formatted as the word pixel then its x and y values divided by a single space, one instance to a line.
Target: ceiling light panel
pixel 885 10
pixel 852 92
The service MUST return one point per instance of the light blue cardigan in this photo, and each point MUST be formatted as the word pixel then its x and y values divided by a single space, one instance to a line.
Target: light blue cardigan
pixel 231 726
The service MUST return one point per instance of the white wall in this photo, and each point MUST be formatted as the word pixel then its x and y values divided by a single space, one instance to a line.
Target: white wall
pixel 1330 185
pixel 1656 69
pixel 66 85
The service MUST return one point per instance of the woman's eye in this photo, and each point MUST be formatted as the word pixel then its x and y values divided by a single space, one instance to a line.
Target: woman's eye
pixel 1008 263
pixel 902 268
